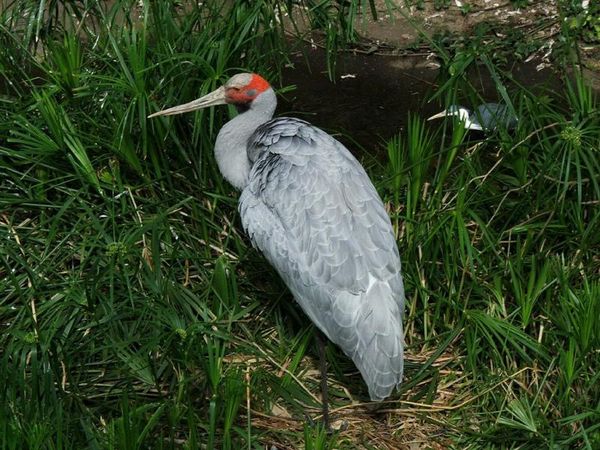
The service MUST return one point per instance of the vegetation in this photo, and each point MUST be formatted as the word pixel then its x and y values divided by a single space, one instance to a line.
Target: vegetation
pixel 134 313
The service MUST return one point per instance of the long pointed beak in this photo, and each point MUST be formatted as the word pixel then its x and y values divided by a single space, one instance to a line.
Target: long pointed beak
pixel 440 115
pixel 216 97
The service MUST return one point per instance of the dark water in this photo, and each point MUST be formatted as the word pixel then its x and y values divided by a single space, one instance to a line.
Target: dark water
pixel 374 105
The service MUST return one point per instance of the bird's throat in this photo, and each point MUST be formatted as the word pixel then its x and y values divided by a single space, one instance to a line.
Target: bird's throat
pixel 231 147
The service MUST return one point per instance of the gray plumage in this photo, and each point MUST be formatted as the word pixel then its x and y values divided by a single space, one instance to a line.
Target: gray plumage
pixel 310 208
pixel 490 116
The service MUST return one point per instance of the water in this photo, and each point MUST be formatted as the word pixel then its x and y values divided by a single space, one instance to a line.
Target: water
pixel 373 104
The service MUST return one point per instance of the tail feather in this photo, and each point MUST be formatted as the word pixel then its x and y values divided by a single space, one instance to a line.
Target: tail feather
pixel 379 354
pixel 368 328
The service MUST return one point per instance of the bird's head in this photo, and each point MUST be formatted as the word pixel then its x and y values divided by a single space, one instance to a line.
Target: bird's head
pixel 453 110
pixel 464 115
pixel 240 90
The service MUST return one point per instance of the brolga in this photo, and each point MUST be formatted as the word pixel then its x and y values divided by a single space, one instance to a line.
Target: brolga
pixel 308 205
pixel 487 117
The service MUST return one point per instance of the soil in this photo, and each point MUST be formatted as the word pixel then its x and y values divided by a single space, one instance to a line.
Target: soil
pixel 402 23
pixel 394 26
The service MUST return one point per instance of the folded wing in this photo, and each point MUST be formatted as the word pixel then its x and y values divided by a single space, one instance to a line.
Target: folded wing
pixel 313 212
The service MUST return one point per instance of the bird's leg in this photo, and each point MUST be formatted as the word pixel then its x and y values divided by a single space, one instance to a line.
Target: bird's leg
pixel 321 343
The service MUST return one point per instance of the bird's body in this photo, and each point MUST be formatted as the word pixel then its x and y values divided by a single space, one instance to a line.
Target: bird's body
pixel 486 117
pixel 311 209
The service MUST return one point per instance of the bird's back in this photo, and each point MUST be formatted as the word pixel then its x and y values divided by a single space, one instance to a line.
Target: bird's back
pixel 311 209
pixel 494 115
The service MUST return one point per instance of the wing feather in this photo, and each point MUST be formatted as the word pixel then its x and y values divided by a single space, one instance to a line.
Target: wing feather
pixel 313 212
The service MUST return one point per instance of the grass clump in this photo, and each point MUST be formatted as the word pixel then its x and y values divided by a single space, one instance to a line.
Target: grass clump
pixel 133 313
pixel 499 248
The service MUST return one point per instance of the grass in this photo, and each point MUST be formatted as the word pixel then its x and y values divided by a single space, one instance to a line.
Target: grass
pixel 134 313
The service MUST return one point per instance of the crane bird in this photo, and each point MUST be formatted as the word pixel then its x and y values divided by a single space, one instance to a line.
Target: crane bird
pixel 311 209
pixel 486 117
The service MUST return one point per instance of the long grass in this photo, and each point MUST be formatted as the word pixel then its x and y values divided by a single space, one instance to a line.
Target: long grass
pixel 134 314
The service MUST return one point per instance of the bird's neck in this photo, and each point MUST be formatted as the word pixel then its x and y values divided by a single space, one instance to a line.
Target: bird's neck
pixel 232 142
